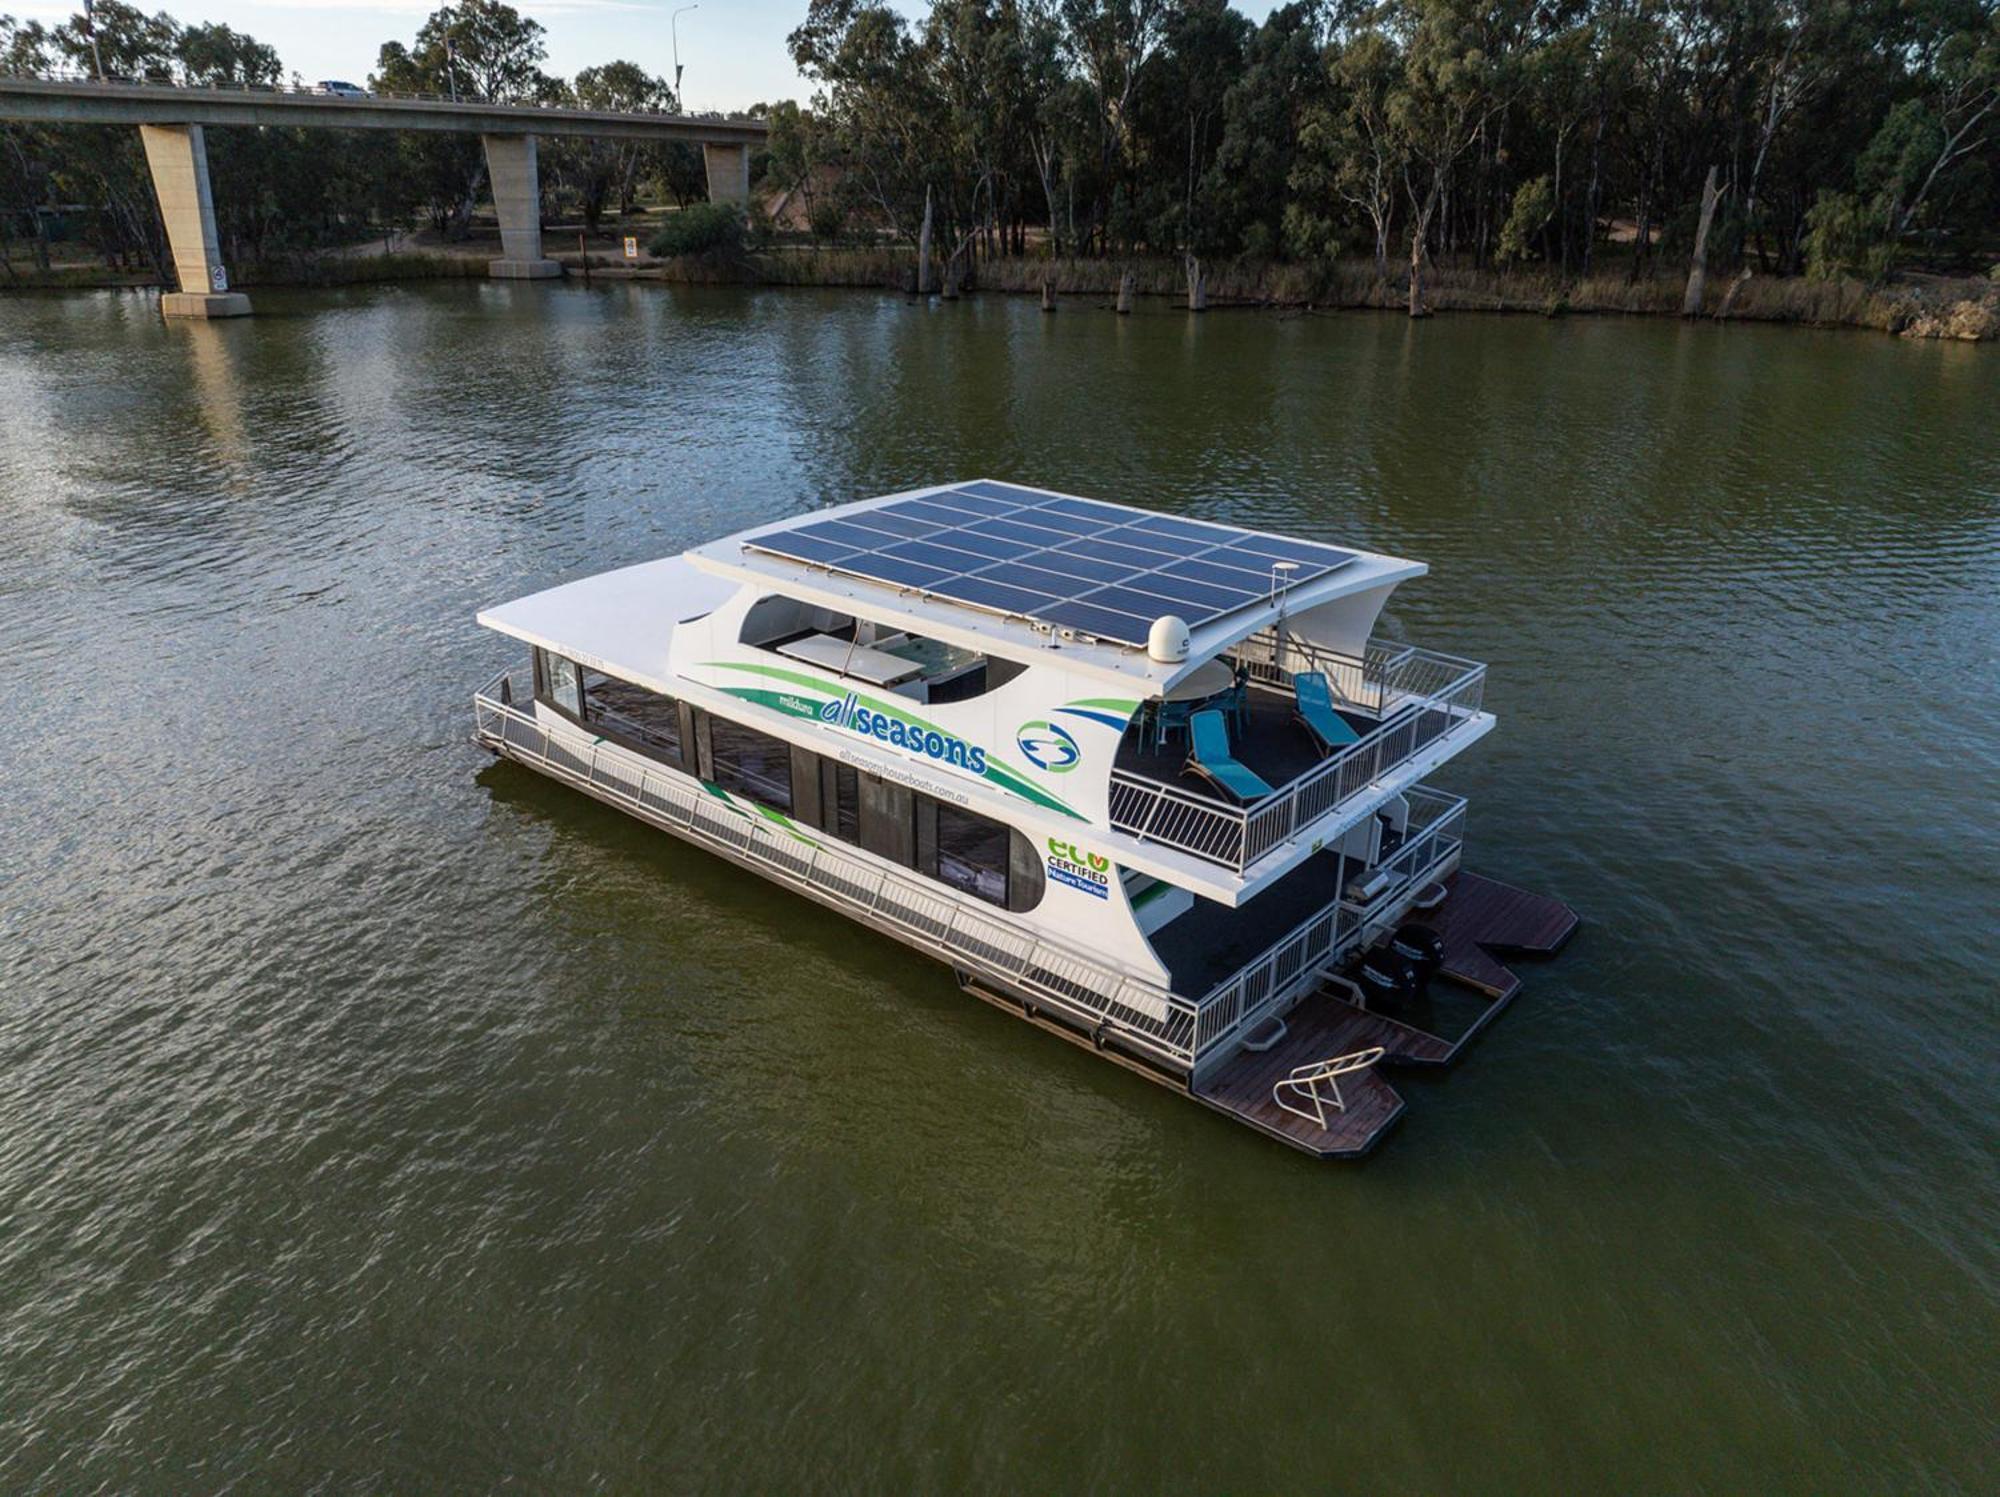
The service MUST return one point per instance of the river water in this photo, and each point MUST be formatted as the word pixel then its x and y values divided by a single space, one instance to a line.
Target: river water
pixel 376 1117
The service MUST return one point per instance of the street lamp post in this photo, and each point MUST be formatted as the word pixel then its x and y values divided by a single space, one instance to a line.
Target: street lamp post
pixel 674 26
pixel 90 28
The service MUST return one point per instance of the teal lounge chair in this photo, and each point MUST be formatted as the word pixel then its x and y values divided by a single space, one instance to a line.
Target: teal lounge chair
pixel 1314 707
pixel 1212 760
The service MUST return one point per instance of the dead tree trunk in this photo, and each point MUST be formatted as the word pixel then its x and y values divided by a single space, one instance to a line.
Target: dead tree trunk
pixel 924 249
pixel 1698 266
pixel 1419 233
pixel 1729 296
pixel 1197 285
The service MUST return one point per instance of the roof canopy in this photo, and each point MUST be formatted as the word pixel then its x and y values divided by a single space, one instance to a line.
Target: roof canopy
pixel 620 622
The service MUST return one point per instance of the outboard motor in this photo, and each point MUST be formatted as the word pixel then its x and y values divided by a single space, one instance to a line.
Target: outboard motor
pixel 1386 979
pixel 1421 947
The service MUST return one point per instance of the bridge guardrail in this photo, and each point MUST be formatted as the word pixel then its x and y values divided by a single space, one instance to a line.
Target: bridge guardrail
pixel 231 87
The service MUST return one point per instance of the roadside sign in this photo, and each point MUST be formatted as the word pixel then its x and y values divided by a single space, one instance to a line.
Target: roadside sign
pixel 631 247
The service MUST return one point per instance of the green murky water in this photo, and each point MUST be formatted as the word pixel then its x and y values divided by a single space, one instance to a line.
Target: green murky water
pixel 376 1117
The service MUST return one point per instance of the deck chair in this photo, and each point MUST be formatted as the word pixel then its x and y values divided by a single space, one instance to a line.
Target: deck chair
pixel 1212 760
pixel 1313 706
pixel 1317 1085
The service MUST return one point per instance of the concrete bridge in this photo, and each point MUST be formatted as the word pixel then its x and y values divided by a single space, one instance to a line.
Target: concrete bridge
pixel 170 120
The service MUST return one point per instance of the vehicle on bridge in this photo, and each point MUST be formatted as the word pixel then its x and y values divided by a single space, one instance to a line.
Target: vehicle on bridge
pixel 334 88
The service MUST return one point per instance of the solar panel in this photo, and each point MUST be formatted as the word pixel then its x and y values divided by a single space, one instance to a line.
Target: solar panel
pixel 1101 569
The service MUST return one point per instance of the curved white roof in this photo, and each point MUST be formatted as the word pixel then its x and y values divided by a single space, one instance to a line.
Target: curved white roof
pixel 619 622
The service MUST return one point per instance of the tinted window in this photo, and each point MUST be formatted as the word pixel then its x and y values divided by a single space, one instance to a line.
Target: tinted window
pixel 751 763
pixel 845 821
pixel 972 853
pixel 644 719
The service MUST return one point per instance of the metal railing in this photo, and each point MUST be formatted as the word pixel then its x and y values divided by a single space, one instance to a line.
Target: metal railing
pixel 1435 835
pixel 231 86
pixel 1140 1013
pixel 1420 695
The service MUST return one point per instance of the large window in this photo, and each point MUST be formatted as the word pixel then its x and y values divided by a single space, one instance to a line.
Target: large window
pixel 751 763
pixel 647 721
pixel 840 800
pixel 559 682
pixel 972 853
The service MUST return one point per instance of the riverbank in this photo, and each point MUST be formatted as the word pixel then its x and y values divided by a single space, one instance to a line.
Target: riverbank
pixel 1914 306
pixel 1917 306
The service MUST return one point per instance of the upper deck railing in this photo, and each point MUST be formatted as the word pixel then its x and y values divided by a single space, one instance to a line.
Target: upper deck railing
pixel 1420 696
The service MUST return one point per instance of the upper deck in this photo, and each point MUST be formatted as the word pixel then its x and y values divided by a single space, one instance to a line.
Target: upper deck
pixel 1409 709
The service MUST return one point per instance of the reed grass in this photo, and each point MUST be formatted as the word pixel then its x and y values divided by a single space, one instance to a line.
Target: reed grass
pixel 1917 306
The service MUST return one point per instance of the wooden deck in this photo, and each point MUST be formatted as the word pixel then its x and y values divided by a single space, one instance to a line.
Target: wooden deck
pixel 1482 919
pixel 1478 917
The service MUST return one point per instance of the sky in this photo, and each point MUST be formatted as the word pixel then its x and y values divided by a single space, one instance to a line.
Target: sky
pixel 733 51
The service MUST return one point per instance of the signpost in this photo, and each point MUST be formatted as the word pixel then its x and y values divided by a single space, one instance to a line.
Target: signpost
pixel 631 247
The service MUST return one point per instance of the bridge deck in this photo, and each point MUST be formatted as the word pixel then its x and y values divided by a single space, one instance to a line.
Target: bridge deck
pixel 141 102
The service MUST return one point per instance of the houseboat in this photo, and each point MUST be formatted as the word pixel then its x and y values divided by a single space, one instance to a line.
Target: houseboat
pixel 1148 781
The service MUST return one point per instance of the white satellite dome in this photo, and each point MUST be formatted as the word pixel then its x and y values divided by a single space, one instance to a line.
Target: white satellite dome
pixel 1168 641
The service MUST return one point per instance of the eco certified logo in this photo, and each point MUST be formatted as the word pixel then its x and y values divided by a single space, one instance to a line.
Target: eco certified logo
pixel 1080 869
pixel 1047 746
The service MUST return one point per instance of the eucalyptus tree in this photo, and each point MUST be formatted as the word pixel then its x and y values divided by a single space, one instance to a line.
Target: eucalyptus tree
pixel 1939 142
pixel 24 155
pixel 1353 151
pixel 1181 109
pixel 886 116
pixel 1264 113
pixel 482 49
pixel 1448 90
pixel 1110 42
pixel 602 171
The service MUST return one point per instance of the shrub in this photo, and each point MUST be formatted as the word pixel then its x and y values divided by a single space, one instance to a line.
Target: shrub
pixel 1534 204
pixel 1843 238
pixel 700 229
pixel 828 221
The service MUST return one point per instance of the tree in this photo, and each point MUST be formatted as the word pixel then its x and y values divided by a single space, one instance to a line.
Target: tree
pixel 1445 96
pixel 1534 204
pixel 1353 150
pixel 1948 124
pixel 606 171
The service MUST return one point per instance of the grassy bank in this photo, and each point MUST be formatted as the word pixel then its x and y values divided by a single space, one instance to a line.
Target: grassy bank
pixel 359 270
pixel 1915 306
pixel 304 270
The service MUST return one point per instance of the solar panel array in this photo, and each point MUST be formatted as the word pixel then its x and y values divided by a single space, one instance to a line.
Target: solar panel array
pixel 1100 569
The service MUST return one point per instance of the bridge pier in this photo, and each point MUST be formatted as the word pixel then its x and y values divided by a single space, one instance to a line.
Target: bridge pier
pixel 728 173
pixel 512 167
pixel 177 156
